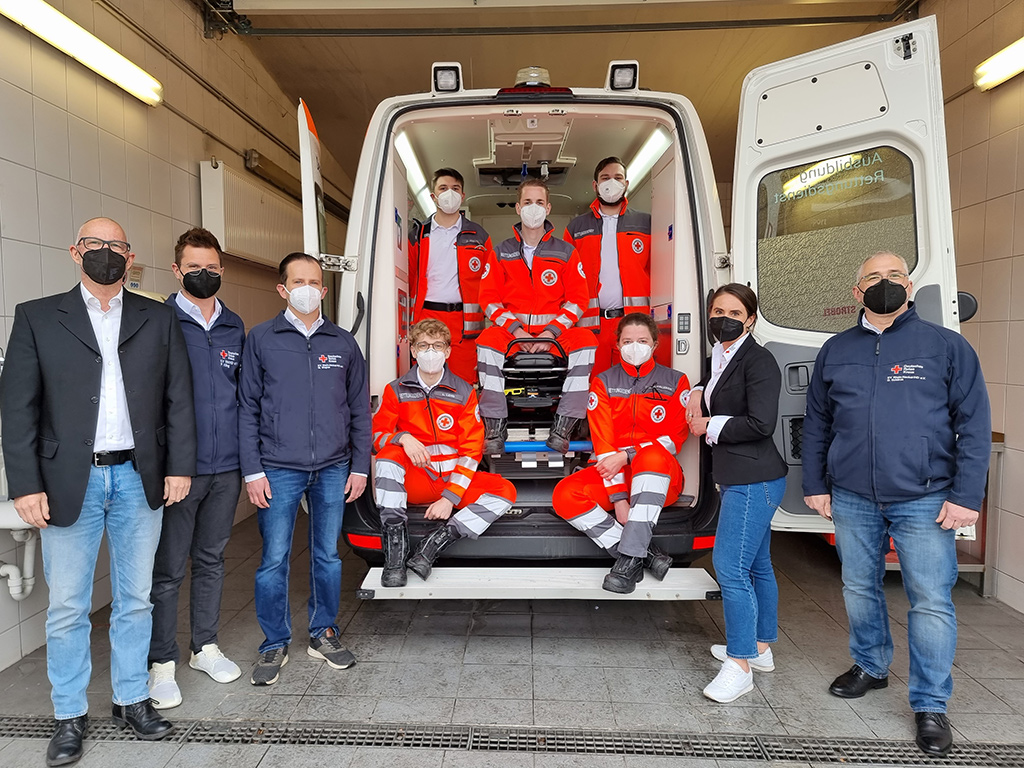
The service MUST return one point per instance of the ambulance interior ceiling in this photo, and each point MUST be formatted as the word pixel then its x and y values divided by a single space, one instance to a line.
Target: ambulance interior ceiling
pixel 490 153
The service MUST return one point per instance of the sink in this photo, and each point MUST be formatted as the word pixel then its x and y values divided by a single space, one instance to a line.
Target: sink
pixel 9 519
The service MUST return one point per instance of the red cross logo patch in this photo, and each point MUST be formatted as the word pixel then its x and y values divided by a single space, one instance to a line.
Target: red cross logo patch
pixel 896 369
pixel 322 358
pixel 223 353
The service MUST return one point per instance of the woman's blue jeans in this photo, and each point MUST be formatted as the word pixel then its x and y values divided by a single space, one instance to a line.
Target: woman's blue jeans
pixel 743 565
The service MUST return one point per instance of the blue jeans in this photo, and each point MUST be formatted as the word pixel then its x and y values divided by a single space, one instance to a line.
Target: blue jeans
pixel 116 502
pixel 325 492
pixel 743 565
pixel 927 556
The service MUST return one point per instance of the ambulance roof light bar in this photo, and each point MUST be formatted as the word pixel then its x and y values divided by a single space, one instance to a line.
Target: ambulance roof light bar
pixel 447 77
pixel 623 76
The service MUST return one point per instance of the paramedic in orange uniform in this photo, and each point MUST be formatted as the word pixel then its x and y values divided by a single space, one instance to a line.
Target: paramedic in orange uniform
pixel 447 255
pixel 614 243
pixel 533 287
pixel 637 419
pixel 428 439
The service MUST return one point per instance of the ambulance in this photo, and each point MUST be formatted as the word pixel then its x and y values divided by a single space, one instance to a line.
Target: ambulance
pixel 840 153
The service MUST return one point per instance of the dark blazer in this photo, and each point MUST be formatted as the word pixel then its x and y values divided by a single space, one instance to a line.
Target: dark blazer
pixel 749 391
pixel 49 398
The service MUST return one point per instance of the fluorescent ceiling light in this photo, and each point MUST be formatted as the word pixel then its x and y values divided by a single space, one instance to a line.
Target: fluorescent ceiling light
pixel 413 174
pixel 1001 67
pixel 647 156
pixel 49 24
pixel 818 173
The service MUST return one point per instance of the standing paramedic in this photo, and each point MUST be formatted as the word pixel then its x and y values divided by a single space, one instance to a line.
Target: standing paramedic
pixel 200 526
pixel 99 436
pixel 897 438
pixel 304 430
pixel 447 256
pixel 614 244
pixel 428 439
pixel 533 288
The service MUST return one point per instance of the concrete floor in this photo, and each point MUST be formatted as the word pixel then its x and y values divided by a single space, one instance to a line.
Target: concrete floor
pixel 569 664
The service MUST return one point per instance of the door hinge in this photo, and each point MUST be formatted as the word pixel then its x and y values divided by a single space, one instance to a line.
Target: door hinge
pixel 905 46
pixel 339 263
pixel 723 261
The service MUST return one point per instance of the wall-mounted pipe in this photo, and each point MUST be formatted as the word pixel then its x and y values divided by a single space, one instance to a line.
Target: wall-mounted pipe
pixel 20 581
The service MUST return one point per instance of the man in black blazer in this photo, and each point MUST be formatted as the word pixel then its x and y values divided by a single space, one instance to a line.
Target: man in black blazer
pixel 99 435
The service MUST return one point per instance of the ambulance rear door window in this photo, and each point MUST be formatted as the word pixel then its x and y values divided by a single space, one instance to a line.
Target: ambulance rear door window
pixel 817 222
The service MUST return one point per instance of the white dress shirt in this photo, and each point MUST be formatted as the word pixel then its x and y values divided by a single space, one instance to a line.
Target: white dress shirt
pixel 720 359
pixel 609 294
pixel 427 387
pixel 113 425
pixel 443 263
pixel 193 311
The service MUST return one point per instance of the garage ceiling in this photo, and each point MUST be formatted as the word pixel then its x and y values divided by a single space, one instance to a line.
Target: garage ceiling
pixel 343 58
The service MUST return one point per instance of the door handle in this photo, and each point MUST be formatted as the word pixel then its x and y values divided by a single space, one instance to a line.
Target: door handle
pixel 798 377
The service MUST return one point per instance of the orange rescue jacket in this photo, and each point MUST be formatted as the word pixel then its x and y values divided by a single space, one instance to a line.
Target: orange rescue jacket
pixel 633 243
pixel 445 419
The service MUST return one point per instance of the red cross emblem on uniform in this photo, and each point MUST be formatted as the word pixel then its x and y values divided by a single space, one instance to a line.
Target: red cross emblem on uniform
pixel 323 358
pixel 896 369
pixel 223 353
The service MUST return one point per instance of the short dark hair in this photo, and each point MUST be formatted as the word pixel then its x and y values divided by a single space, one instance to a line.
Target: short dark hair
pixel 197 237
pixel 742 292
pixel 532 182
pixel 291 258
pixel 637 318
pixel 605 163
pixel 440 172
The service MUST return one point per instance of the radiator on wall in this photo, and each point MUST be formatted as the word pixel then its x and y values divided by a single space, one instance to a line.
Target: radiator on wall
pixel 251 221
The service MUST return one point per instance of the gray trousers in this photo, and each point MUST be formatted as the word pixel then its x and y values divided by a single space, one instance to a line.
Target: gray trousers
pixel 198 526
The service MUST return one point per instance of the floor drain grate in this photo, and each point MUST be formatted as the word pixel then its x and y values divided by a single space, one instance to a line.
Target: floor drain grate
pixel 847 752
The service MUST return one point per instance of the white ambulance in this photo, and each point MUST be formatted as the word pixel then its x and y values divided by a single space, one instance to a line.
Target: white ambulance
pixel 840 153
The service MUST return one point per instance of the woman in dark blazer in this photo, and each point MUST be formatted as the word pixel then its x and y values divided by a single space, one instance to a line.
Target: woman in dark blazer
pixel 736 412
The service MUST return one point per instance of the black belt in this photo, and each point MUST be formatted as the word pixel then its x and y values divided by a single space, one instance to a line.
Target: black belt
pixel 438 306
pixel 610 313
pixel 111 458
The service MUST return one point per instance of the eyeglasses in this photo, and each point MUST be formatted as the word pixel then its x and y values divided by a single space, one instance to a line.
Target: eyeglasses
pixel 423 346
pixel 875 277
pixel 94 244
pixel 213 271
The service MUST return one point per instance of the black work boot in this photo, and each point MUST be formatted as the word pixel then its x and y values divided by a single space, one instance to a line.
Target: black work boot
pixel 624 575
pixel 435 542
pixel 495 434
pixel 396 550
pixel 657 562
pixel 561 430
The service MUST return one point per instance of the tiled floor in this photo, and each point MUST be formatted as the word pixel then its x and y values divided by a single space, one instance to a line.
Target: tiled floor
pixel 638 665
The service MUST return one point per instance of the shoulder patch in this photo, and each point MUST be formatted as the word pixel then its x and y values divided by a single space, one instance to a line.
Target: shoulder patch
pixel 592 401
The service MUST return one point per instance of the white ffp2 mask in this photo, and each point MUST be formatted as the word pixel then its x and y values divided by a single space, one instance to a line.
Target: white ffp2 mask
pixel 611 191
pixel 304 299
pixel 533 215
pixel 449 201
pixel 636 353
pixel 430 361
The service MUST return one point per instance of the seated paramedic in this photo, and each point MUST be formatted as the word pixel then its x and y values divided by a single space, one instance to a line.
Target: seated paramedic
pixel 637 420
pixel 614 243
pixel 428 439
pixel 533 288
pixel 447 255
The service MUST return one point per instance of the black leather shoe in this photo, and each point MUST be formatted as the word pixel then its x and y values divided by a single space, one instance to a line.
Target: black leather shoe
pixel 495 435
pixel 432 545
pixel 855 683
pixel 561 433
pixel 657 562
pixel 624 575
pixel 65 745
pixel 147 723
pixel 396 550
pixel 934 736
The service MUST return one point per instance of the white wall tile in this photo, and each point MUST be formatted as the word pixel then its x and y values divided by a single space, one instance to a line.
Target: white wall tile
pixel 195 199
pixel 113 166
pixel 85 205
pixel 21 273
pixel 9 616
pixel 160 185
pixel 179 194
pixel 49 78
pixel 110 107
pixel 52 145
pixel 140 234
pixel 136 122
pixel 164 238
pixel 10 644
pixel 15 54
pixel 139 190
pixel 85 153
pixel 59 272
pixel 81 12
pixel 33 633
pixel 82 92
pixel 56 227
pixel 159 132
pixel 179 142
pixel 19 215
pixel 16 142
pixel 113 208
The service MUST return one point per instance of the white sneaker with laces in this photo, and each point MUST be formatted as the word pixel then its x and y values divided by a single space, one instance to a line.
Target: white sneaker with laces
pixel 162 689
pixel 764 662
pixel 730 683
pixel 214 663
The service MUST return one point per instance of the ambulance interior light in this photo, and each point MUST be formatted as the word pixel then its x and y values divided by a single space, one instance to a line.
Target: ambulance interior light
pixel 414 174
pixel 648 155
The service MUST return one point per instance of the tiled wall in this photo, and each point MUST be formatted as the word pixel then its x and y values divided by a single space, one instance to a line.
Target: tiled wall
pixel 985 135
pixel 73 146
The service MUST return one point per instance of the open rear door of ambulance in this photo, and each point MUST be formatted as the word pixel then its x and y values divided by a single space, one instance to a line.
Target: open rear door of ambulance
pixel 840 153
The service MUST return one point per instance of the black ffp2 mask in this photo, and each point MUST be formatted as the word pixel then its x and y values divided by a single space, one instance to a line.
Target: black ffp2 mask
pixel 201 284
pixel 103 266
pixel 885 297
pixel 725 328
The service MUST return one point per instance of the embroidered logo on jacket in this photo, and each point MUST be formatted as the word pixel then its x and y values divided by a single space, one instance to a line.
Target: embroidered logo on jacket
pixel 908 372
pixel 445 422
pixel 592 401
pixel 228 358
pixel 474 264
pixel 580 268
pixel 638 245
pixel 658 414
pixel 549 277
pixel 325 362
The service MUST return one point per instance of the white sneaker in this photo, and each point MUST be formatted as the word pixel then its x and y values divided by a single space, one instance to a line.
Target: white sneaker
pixel 214 663
pixel 730 683
pixel 162 689
pixel 764 662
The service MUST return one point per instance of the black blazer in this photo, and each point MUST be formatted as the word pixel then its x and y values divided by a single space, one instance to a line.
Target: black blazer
pixel 49 398
pixel 749 391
